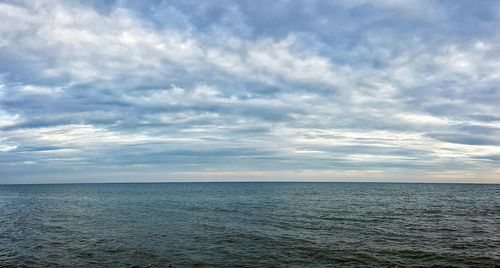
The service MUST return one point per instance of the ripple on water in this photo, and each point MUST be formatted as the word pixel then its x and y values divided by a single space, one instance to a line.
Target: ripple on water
pixel 250 225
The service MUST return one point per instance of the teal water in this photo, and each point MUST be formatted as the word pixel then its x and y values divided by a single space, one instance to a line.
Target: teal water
pixel 250 225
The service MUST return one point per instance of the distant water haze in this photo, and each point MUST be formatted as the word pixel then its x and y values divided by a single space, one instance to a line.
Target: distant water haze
pixel 128 176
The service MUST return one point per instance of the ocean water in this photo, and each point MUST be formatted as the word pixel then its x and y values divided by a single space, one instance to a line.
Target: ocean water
pixel 250 225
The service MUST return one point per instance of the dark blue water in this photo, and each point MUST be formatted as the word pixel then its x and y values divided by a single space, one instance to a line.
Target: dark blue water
pixel 250 225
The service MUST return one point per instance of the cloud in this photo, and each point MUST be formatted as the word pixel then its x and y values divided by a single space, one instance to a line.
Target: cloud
pixel 466 139
pixel 408 89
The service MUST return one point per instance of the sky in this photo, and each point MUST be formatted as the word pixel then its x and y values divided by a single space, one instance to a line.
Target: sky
pixel 379 90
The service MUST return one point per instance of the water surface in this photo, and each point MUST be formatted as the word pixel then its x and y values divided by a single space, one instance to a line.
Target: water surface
pixel 250 225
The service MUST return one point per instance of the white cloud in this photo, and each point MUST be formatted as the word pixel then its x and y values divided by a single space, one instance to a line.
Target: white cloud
pixel 423 119
pixel 78 136
pixel 6 147
pixel 7 119
pixel 90 46
pixel 40 90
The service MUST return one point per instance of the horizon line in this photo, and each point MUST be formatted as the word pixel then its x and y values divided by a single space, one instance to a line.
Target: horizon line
pixel 251 181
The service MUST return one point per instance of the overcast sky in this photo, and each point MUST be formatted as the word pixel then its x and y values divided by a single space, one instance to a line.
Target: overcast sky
pixel 379 90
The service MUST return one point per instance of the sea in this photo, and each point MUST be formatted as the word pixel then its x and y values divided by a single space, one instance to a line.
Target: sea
pixel 250 224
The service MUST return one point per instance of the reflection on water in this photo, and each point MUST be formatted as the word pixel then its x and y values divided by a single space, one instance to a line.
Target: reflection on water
pixel 250 225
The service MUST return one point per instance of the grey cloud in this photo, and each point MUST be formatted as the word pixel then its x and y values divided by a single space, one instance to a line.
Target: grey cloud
pixel 465 139
pixel 249 85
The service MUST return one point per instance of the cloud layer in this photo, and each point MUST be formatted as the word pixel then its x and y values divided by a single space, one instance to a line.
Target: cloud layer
pixel 308 90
